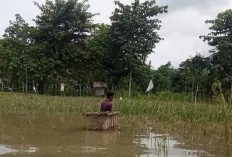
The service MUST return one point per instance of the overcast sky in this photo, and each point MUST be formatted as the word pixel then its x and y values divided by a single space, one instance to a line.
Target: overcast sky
pixel 181 26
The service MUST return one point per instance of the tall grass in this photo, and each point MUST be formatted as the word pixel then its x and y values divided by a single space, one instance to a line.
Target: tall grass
pixel 171 108
pixel 226 112
pixel 164 107
pixel 15 103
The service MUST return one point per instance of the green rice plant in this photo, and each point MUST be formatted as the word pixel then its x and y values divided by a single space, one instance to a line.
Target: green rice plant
pixel 225 111
pixel 12 103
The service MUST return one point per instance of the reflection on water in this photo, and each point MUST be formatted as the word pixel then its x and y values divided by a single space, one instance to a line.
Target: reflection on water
pixel 6 150
pixel 66 136
pixel 161 145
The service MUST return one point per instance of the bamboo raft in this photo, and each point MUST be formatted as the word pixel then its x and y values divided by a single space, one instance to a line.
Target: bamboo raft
pixel 101 120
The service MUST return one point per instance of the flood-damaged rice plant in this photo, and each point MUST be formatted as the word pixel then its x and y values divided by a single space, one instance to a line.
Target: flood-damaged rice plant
pixel 172 110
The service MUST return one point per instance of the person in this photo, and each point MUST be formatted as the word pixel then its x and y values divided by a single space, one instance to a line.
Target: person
pixel 107 105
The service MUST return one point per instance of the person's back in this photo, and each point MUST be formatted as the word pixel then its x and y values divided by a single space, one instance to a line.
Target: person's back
pixel 107 105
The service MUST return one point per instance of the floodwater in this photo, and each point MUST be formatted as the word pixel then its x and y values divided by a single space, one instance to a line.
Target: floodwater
pixel 65 136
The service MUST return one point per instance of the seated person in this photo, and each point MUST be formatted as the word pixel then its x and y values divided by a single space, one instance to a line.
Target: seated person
pixel 107 104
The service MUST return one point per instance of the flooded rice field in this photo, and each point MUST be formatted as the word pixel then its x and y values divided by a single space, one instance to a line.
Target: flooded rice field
pixel 61 136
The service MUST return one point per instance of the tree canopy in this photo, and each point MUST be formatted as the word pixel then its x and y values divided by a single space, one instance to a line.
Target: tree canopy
pixel 66 46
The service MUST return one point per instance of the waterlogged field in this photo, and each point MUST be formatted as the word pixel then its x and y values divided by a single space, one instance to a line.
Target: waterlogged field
pixel 156 125
pixel 59 136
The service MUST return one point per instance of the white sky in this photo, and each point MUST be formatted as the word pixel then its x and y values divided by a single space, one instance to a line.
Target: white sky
pixel 181 26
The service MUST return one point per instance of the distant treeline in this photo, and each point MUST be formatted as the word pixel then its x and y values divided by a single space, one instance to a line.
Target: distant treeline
pixel 66 46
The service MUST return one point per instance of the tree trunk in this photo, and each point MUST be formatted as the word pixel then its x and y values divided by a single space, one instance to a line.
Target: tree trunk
pixel 44 87
pixel 80 89
pixel 2 87
pixel 26 81
pixel 130 85
pixel 192 90
pixel 196 92
pixel 230 96
pixel 23 87
pixel 112 88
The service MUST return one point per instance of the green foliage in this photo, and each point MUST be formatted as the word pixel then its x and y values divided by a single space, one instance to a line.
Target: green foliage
pixel 196 72
pixel 141 77
pixel 62 29
pixel 134 30
pixel 99 46
pixel 163 77
pixel 16 54
pixel 220 37
pixel 52 51
pixel 134 27
pixel 65 46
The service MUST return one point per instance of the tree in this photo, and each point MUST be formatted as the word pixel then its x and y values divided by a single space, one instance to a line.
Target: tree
pixel 62 28
pixel 61 31
pixel 163 77
pixel 134 31
pixel 16 54
pixel 220 37
pixel 98 47
pixel 196 71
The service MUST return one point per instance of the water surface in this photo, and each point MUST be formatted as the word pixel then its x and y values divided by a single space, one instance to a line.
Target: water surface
pixel 61 136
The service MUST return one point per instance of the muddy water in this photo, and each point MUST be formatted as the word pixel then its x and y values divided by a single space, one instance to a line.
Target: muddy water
pixel 66 136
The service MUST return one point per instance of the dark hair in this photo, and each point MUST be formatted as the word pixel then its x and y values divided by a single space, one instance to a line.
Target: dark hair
pixel 109 94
